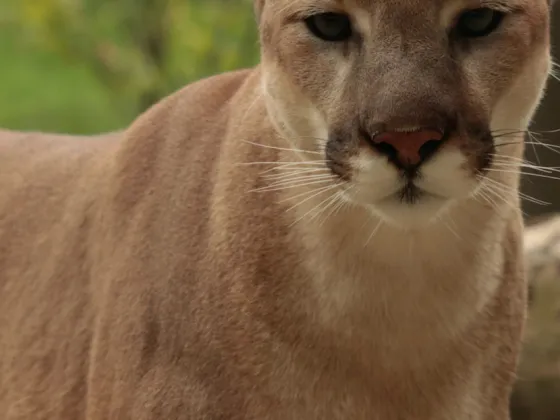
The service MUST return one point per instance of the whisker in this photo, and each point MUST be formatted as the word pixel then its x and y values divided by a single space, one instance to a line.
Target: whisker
pixel 557 130
pixel 509 165
pixel 298 182
pixel 521 194
pixel 290 167
pixel 312 209
pixel 555 76
pixel 524 173
pixel 313 138
pixel 515 162
pixel 506 129
pixel 500 194
pixel 510 158
pixel 312 162
pixel 510 133
pixel 374 231
pixel 246 113
pixel 527 198
pixel 290 186
pixel 333 199
pixel 490 186
pixel 534 147
pixel 552 147
pixel 282 148
pixel 441 219
pixel 305 193
pixel 533 132
pixel 294 166
pixel 283 170
pixel 507 143
pixel 518 164
pixel 292 172
pixel 484 195
pixel 490 193
pixel 314 193
pixel 340 203
pixel 297 178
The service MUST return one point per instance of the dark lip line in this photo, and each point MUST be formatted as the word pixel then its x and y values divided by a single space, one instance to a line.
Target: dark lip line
pixel 410 193
pixel 422 193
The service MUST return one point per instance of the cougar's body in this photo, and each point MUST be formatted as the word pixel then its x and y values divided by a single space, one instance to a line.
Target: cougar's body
pixel 227 257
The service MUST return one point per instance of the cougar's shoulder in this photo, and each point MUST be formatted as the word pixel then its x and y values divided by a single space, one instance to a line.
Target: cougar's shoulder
pixel 81 224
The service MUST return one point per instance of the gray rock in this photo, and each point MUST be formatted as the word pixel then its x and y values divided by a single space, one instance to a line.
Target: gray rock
pixel 537 392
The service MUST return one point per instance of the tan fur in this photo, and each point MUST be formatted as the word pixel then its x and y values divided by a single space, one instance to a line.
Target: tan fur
pixel 142 277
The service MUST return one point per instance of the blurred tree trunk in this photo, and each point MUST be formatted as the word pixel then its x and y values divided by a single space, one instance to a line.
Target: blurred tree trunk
pixel 148 27
pixel 548 119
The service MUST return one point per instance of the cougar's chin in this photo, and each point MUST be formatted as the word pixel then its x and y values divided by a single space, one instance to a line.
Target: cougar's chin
pixel 413 201
pixel 410 213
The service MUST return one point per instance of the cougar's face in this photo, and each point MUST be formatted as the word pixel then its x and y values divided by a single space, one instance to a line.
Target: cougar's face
pixel 411 104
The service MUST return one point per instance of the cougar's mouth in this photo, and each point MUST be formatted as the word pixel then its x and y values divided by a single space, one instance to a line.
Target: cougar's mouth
pixel 410 193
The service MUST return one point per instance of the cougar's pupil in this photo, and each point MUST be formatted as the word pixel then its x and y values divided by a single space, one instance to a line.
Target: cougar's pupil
pixel 334 27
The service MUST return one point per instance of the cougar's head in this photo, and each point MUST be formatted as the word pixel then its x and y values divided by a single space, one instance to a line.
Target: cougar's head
pixel 413 105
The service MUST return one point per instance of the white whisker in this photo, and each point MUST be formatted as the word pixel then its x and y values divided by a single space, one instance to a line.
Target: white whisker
pixel 281 164
pixel 552 147
pixel 482 193
pixel 448 227
pixel 507 165
pixel 282 148
pixel 312 209
pixel 286 175
pixel 507 188
pixel 534 147
pixel 297 178
pixel 339 203
pixel 303 183
pixel 309 195
pixel 332 199
pixel 500 194
pixel 374 231
pixel 295 166
pixel 523 173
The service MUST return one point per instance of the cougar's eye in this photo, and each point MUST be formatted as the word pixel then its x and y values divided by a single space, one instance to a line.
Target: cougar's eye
pixel 333 27
pixel 478 22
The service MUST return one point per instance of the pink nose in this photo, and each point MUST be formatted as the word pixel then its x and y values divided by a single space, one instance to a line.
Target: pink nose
pixel 408 149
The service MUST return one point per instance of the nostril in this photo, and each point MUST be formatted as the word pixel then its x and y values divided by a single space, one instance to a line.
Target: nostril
pixel 387 149
pixel 429 148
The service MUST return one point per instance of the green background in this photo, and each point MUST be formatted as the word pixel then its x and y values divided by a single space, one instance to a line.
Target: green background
pixel 88 66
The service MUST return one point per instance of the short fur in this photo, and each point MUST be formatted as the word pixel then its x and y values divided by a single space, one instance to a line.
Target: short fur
pixel 191 267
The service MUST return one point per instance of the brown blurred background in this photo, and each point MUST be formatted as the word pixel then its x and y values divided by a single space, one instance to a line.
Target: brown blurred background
pixel 548 119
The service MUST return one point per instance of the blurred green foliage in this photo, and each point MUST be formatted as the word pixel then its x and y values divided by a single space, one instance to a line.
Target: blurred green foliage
pixel 88 66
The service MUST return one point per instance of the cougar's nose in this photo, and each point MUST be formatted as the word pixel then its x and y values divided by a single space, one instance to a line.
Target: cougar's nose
pixel 408 149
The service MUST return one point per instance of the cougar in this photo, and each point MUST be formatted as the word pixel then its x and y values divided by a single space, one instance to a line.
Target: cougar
pixel 332 234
